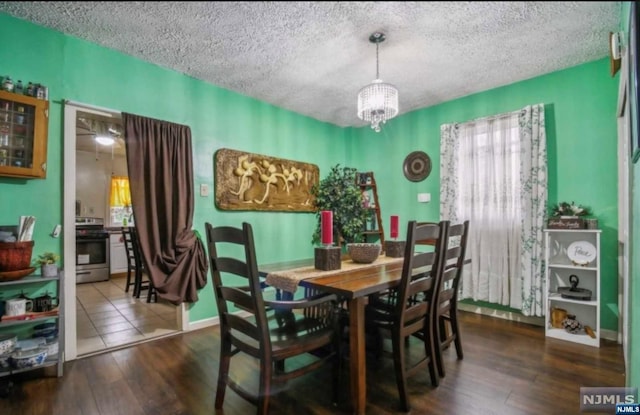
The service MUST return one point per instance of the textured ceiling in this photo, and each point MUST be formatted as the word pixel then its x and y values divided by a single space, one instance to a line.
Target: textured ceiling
pixel 313 57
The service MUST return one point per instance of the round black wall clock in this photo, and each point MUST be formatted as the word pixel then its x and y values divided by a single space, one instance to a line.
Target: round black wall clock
pixel 417 166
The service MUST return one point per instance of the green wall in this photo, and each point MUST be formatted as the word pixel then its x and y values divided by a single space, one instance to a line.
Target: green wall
pixel 580 114
pixel 84 72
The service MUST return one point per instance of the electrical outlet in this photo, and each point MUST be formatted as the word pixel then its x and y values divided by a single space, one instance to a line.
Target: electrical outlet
pixel 204 189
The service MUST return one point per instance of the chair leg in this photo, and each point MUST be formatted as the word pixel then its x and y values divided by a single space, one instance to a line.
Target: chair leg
pixel 151 292
pixel 264 390
pixel 429 350
pixel 223 372
pixel 137 288
pixel 126 287
pixel 453 314
pixel 399 366
pixel 437 343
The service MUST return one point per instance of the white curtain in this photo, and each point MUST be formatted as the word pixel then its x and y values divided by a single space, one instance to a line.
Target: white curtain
pixel 494 173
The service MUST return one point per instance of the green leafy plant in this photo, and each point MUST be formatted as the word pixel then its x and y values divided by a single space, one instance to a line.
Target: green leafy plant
pixel 339 193
pixel 47 258
pixel 569 209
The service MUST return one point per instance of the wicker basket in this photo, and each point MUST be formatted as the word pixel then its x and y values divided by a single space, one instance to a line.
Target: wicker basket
pixel 364 253
pixel 15 256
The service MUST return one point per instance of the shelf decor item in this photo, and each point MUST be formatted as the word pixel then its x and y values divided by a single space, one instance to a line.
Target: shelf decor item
pixel 327 256
pixel 573 292
pixel 15 256
pixel 47 262
pixel 394 248
pixel 581 252
pixel 364 253
pixel 565 215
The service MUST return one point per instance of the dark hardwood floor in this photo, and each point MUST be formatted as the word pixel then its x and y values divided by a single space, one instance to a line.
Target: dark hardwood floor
pixel 508 368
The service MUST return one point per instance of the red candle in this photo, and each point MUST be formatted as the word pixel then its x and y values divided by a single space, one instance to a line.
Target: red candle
pixel 326 218
pixel 394 226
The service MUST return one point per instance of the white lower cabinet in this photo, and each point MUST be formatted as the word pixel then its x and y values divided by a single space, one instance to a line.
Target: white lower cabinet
pixel 117 254
pixel 572 281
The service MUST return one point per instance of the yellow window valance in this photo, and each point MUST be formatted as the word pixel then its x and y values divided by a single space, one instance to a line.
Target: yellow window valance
pixel 120 193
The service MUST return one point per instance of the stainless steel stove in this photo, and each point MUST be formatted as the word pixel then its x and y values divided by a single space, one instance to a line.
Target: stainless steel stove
pixel 92 250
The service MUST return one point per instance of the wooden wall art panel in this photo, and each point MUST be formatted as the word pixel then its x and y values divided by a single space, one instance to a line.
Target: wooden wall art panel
pixel 247 181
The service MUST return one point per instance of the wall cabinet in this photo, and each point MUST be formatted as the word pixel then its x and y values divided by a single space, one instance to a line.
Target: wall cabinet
pixel 118 254
pixel 573 256
pixel 23 326
pixel 24 123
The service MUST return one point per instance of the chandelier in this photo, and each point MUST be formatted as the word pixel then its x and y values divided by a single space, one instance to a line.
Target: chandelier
pixel 378 101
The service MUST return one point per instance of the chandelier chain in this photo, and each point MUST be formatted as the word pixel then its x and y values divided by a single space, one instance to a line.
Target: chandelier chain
pixel 377 62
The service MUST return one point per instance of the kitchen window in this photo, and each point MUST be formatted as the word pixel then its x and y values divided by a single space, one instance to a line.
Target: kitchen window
pixel 120 210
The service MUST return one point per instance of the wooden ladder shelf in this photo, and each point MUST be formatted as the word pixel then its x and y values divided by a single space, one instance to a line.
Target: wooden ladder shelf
pixel 367 184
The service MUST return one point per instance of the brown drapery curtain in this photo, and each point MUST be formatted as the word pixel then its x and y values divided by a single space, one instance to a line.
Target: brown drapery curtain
pixel 159 160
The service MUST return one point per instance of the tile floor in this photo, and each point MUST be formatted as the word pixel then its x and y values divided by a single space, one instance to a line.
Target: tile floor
pixel 108 317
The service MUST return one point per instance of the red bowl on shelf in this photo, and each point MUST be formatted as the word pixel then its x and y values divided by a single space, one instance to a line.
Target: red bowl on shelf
pixel 15 256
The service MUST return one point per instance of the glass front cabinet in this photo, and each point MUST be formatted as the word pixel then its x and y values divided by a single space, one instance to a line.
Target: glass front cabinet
pixel 24 122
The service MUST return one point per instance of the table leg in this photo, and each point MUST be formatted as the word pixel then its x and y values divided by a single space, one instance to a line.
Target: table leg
pixel 357 355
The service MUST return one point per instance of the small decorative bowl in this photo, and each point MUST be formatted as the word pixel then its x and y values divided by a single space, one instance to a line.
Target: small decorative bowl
pixel 51 347
pixel 7 342
pixel 364 253
pixel 5 361
pixel 28 358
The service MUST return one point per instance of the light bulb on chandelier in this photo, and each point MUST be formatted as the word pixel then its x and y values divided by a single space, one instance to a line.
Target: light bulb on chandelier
pixel 378 101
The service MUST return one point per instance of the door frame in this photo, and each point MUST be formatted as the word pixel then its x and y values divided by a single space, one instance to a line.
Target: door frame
pixel 624 207
pixel 71 109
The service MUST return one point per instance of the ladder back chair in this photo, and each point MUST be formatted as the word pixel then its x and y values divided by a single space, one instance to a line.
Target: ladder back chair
pixel 408 309
pixel 260 332
pixel 135 265
pixel 447 298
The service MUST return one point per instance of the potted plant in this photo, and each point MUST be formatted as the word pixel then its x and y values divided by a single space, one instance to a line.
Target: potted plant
pixel 48 265
pixel 339 193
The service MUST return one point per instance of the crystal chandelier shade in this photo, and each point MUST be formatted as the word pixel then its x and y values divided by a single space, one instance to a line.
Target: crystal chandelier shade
pixel 378 101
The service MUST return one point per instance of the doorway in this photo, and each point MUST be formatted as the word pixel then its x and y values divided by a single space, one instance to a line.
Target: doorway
pixel 100 315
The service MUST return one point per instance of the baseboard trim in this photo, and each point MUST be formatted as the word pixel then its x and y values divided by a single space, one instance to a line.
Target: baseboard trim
pixel 201 324
pixel 505 315
pixel 536 321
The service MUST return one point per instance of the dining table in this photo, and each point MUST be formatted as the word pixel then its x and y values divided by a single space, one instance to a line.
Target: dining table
pixel 353 282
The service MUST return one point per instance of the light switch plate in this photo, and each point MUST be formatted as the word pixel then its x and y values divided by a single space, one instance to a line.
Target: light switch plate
pixel 204 189
pixel 56 231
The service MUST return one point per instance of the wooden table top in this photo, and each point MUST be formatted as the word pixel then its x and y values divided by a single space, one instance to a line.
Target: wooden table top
pixel 351 283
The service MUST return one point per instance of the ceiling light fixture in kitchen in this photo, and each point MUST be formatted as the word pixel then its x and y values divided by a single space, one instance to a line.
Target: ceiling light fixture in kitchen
pixel 105 140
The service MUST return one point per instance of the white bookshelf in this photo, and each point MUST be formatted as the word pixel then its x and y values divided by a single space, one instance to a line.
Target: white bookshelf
pixel 558 270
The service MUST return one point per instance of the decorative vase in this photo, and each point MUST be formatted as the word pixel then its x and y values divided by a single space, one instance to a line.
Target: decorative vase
pixel 49 270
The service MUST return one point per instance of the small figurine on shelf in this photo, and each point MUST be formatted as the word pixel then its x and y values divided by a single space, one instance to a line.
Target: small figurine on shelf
pixel 7 85
pixel 19 87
